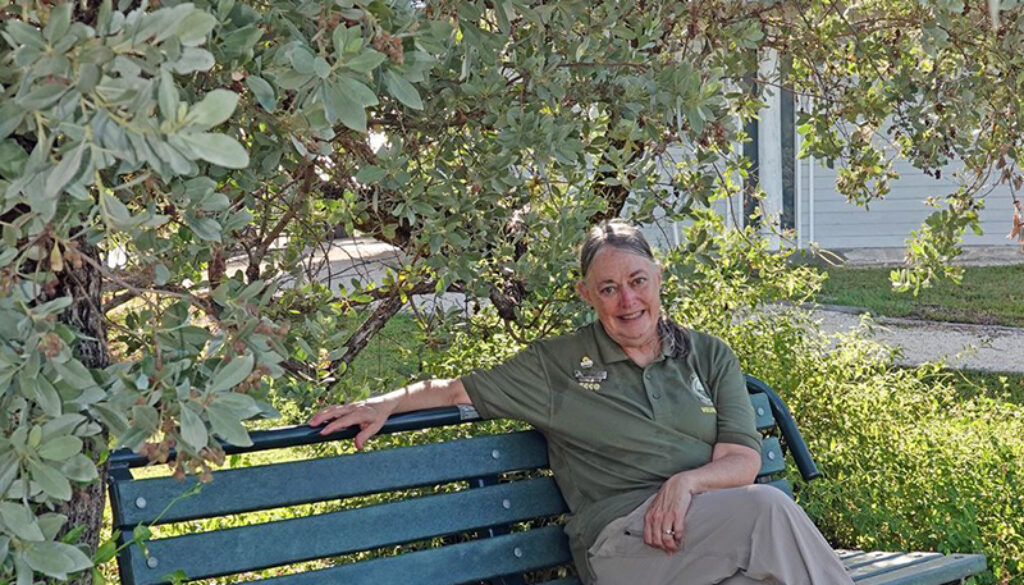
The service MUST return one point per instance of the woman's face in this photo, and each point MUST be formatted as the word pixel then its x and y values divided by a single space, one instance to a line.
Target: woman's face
pixel 624 288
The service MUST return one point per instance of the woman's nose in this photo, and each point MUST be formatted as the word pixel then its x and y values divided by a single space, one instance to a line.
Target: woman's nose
pixel 627 297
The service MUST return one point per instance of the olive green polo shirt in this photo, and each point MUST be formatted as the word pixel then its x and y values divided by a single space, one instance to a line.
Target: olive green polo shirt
pixel 617 431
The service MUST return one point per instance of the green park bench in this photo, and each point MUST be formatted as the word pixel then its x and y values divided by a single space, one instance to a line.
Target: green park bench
pixel 497 522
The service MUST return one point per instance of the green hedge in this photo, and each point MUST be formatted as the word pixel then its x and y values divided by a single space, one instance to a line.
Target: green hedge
pixel 908 464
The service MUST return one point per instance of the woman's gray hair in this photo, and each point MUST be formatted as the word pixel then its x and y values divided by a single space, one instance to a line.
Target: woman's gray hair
pixel 617 234
pixel 624 236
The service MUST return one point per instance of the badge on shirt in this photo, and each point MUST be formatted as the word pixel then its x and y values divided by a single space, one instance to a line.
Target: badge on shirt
pixel 699 391
pixel 590 380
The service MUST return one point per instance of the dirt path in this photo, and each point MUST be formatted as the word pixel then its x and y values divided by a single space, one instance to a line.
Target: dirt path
pixel 979 347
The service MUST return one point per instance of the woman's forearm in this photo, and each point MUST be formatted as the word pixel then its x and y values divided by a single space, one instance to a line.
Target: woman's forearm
pixel 731 466
pixel 421 395
pixel 371 414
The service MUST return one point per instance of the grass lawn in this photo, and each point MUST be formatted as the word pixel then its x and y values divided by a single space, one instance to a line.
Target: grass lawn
pixel 990 295
pixel 1005 387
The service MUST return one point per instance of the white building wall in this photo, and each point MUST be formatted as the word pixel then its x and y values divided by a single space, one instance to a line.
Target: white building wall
pixel 888 222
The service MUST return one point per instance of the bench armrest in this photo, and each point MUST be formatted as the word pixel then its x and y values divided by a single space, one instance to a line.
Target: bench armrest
pixel 794 440
pixel 306 435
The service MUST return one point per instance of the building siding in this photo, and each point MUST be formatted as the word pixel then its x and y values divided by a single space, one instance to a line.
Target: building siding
pixel 888 222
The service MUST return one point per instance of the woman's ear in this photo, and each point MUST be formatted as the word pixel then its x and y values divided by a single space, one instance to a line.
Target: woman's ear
pixel 581 289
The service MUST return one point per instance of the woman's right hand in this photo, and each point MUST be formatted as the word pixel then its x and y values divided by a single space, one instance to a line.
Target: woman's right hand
pixel 369 416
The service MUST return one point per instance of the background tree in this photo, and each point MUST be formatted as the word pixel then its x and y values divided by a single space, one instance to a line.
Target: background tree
pixel 146 148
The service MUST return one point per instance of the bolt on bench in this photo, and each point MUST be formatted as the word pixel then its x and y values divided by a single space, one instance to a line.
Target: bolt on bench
pixel 498 528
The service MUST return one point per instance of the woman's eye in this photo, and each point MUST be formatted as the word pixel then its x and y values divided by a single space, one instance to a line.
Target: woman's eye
pixel 640 281
pixel 607 290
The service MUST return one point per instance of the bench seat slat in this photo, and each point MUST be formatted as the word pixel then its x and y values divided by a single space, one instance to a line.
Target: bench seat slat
pixel 870 559
pixel 942 569
pixel 888 562
pixel 316 480
pixel 259 546
pixel 458 563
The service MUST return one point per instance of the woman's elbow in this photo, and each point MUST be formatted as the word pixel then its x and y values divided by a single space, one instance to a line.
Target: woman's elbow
pixel 457 392
pixel 752 459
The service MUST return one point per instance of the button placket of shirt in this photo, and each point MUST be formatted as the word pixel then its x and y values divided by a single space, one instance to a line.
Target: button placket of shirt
pixel 652 392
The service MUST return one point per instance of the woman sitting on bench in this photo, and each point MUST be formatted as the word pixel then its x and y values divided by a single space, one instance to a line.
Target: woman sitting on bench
pixel 650 434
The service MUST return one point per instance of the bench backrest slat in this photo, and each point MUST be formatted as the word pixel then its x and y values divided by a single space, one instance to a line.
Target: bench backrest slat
pixel 459 563
pixel 265 487
pixel 248 548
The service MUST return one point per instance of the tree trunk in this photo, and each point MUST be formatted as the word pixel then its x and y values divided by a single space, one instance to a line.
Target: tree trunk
pixel 83 282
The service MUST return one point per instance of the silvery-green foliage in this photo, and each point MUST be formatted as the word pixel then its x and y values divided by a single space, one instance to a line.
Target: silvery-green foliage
pixel 206 148
pixel 92 114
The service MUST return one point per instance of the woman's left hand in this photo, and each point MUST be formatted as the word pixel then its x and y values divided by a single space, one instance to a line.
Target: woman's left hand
pixel 664 520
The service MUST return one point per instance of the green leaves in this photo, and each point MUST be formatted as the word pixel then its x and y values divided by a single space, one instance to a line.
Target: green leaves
pixel 232 373
pixel 193 59
pixel 347 39
pixel 345 100
pixel 227 426
pixel 215 108
pixel 263 92
pixel 366 61
pixel 240 42
pixel 402 90
pixel 167 96
pixel 79 468
pixel 20 521
pixel 60 448
pixel 141 147
pixel 60 21
pixel 193 29
pixel 41 97
pixel 206 228
pixel 40 390
pixel 64 172
pixel 193 429
pixel 218 149
pixel 56 559
pixel 50 479
pixel 115 212
pixel 242 406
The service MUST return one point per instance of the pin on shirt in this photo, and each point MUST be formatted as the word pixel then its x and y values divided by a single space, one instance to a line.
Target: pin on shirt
pixel 589 380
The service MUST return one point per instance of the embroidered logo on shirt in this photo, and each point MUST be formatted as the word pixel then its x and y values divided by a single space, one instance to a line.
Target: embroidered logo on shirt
pixel 699 391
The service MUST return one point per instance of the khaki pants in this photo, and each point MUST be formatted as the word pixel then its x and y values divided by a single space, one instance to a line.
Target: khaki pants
pixel 740 536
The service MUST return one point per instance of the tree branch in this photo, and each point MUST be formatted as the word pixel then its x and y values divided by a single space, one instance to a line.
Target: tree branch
pixel 355 344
